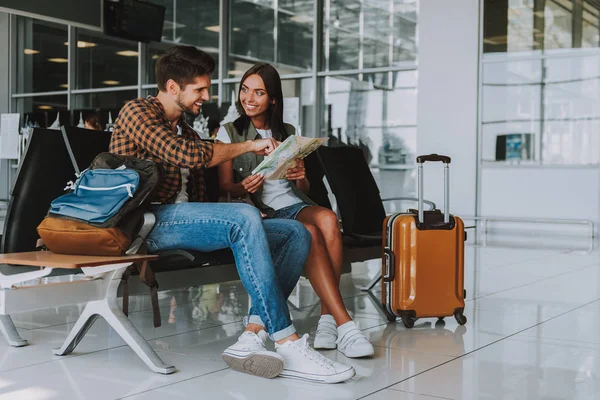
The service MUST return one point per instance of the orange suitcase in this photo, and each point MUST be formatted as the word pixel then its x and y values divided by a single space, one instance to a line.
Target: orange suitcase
pixel 423 260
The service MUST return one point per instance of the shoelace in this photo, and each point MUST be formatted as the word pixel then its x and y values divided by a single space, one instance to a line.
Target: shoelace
pixel 312 354
pixel 256 339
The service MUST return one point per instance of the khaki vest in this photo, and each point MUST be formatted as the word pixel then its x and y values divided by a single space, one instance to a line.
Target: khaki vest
pixel 244 165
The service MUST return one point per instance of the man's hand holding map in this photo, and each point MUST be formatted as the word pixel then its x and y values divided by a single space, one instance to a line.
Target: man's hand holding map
pixel 276 164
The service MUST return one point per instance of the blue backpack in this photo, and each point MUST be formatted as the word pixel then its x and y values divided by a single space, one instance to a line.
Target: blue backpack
pixel 97 195
pixel 103 209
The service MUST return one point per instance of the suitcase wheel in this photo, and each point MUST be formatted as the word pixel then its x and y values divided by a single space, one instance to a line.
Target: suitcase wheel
pixel 440 322
pixel 409 322
pixel 390 317
pixel 460 318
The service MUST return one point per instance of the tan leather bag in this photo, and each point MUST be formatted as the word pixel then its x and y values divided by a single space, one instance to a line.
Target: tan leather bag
pixel 65 236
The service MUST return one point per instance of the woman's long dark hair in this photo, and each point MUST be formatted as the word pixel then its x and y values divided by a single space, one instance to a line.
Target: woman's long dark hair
pixel 272 82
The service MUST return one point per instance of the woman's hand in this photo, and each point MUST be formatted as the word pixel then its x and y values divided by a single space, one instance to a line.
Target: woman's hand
pixel 253 182
pixel 298 172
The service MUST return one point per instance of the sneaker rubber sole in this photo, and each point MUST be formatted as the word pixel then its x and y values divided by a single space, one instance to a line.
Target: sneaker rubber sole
pixel 263 365
pixel 335 378
pixel 324 346
pixel 360 352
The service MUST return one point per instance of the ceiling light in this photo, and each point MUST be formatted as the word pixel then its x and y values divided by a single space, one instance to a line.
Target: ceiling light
pixel 58 60
pixel 109 82
pixel 496 40
pixel 236 72
pixel 64 85
pixel 83 44
pixel 127 53
pixel 302 19
pixel 30 51
pixel 236 29
pixel 214 28
pixel 45 107
pixel 155 56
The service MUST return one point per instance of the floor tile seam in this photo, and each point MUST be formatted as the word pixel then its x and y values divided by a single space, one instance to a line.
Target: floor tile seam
pixel 578 268
pixel 513 264
pixel 532 283
pixel 171 384
pixel 129 314
pixel 422 394
pixel 416 351
pixel 64 358
pixel 70 356
pixel 61 358
pixel 512 245
pixel 67 323
pixel 566 341
pixel 585 265
pixel 475 350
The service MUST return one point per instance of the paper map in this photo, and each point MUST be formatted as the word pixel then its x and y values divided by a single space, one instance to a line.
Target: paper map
pixel 275 165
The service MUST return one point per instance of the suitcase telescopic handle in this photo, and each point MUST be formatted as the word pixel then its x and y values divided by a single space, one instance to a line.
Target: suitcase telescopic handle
pixel 390 265
pixel 446 160
pixel 433 158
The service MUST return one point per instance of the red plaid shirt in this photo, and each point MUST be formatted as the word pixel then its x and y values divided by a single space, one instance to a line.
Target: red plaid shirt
pixel 143 131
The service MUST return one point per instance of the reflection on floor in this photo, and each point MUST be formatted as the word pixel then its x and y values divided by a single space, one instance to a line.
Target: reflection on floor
pixel 533 333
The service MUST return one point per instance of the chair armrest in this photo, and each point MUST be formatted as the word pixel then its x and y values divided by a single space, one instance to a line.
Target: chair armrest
pixel 431 204
pixel 148 223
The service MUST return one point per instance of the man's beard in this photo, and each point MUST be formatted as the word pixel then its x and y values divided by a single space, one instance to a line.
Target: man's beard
pixel 186 109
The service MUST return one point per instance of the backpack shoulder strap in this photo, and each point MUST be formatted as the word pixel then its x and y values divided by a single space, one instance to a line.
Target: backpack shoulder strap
pixel 70 150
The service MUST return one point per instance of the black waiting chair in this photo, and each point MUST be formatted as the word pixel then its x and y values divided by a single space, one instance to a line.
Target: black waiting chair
pixel 43 174
pixel 314 173
pixel 86 144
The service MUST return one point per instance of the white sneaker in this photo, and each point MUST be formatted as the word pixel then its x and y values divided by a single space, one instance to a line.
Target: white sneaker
pixel 327 333
pixel 249 355
pixel 302 362
pixel 352 342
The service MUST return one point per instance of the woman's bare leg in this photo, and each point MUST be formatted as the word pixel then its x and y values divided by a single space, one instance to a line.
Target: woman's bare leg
pixel 323 265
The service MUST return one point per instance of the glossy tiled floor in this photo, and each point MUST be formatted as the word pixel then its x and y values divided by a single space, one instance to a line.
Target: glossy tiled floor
pixel 533 333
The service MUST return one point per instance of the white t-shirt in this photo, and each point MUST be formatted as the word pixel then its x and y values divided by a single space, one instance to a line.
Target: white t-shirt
pixel 182 196
pixel 276 194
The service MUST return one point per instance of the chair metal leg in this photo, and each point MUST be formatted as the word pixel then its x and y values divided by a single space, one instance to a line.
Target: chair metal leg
pixel 82 326
pixel 10 332
pixel 109 309
pixel 371 285
pixel 378 306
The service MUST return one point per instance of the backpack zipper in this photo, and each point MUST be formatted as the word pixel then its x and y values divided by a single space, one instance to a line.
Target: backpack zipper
pixel 129 187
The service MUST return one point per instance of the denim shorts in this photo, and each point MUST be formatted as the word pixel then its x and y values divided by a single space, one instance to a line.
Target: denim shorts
pixel 290 212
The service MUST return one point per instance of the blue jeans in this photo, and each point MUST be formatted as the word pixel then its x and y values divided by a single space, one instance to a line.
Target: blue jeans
pixel 290 212
pixel 269 255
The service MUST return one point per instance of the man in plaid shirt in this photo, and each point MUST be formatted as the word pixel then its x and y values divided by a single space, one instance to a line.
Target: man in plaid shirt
pixel 153 128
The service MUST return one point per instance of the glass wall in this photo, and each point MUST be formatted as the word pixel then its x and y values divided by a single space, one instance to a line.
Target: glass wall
pixel 354 80
pixel 366 34
pixel 104 61
pixel 541 82
pixel 42 56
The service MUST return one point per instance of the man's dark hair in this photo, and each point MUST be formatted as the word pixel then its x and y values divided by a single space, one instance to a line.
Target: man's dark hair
pixel 183 64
